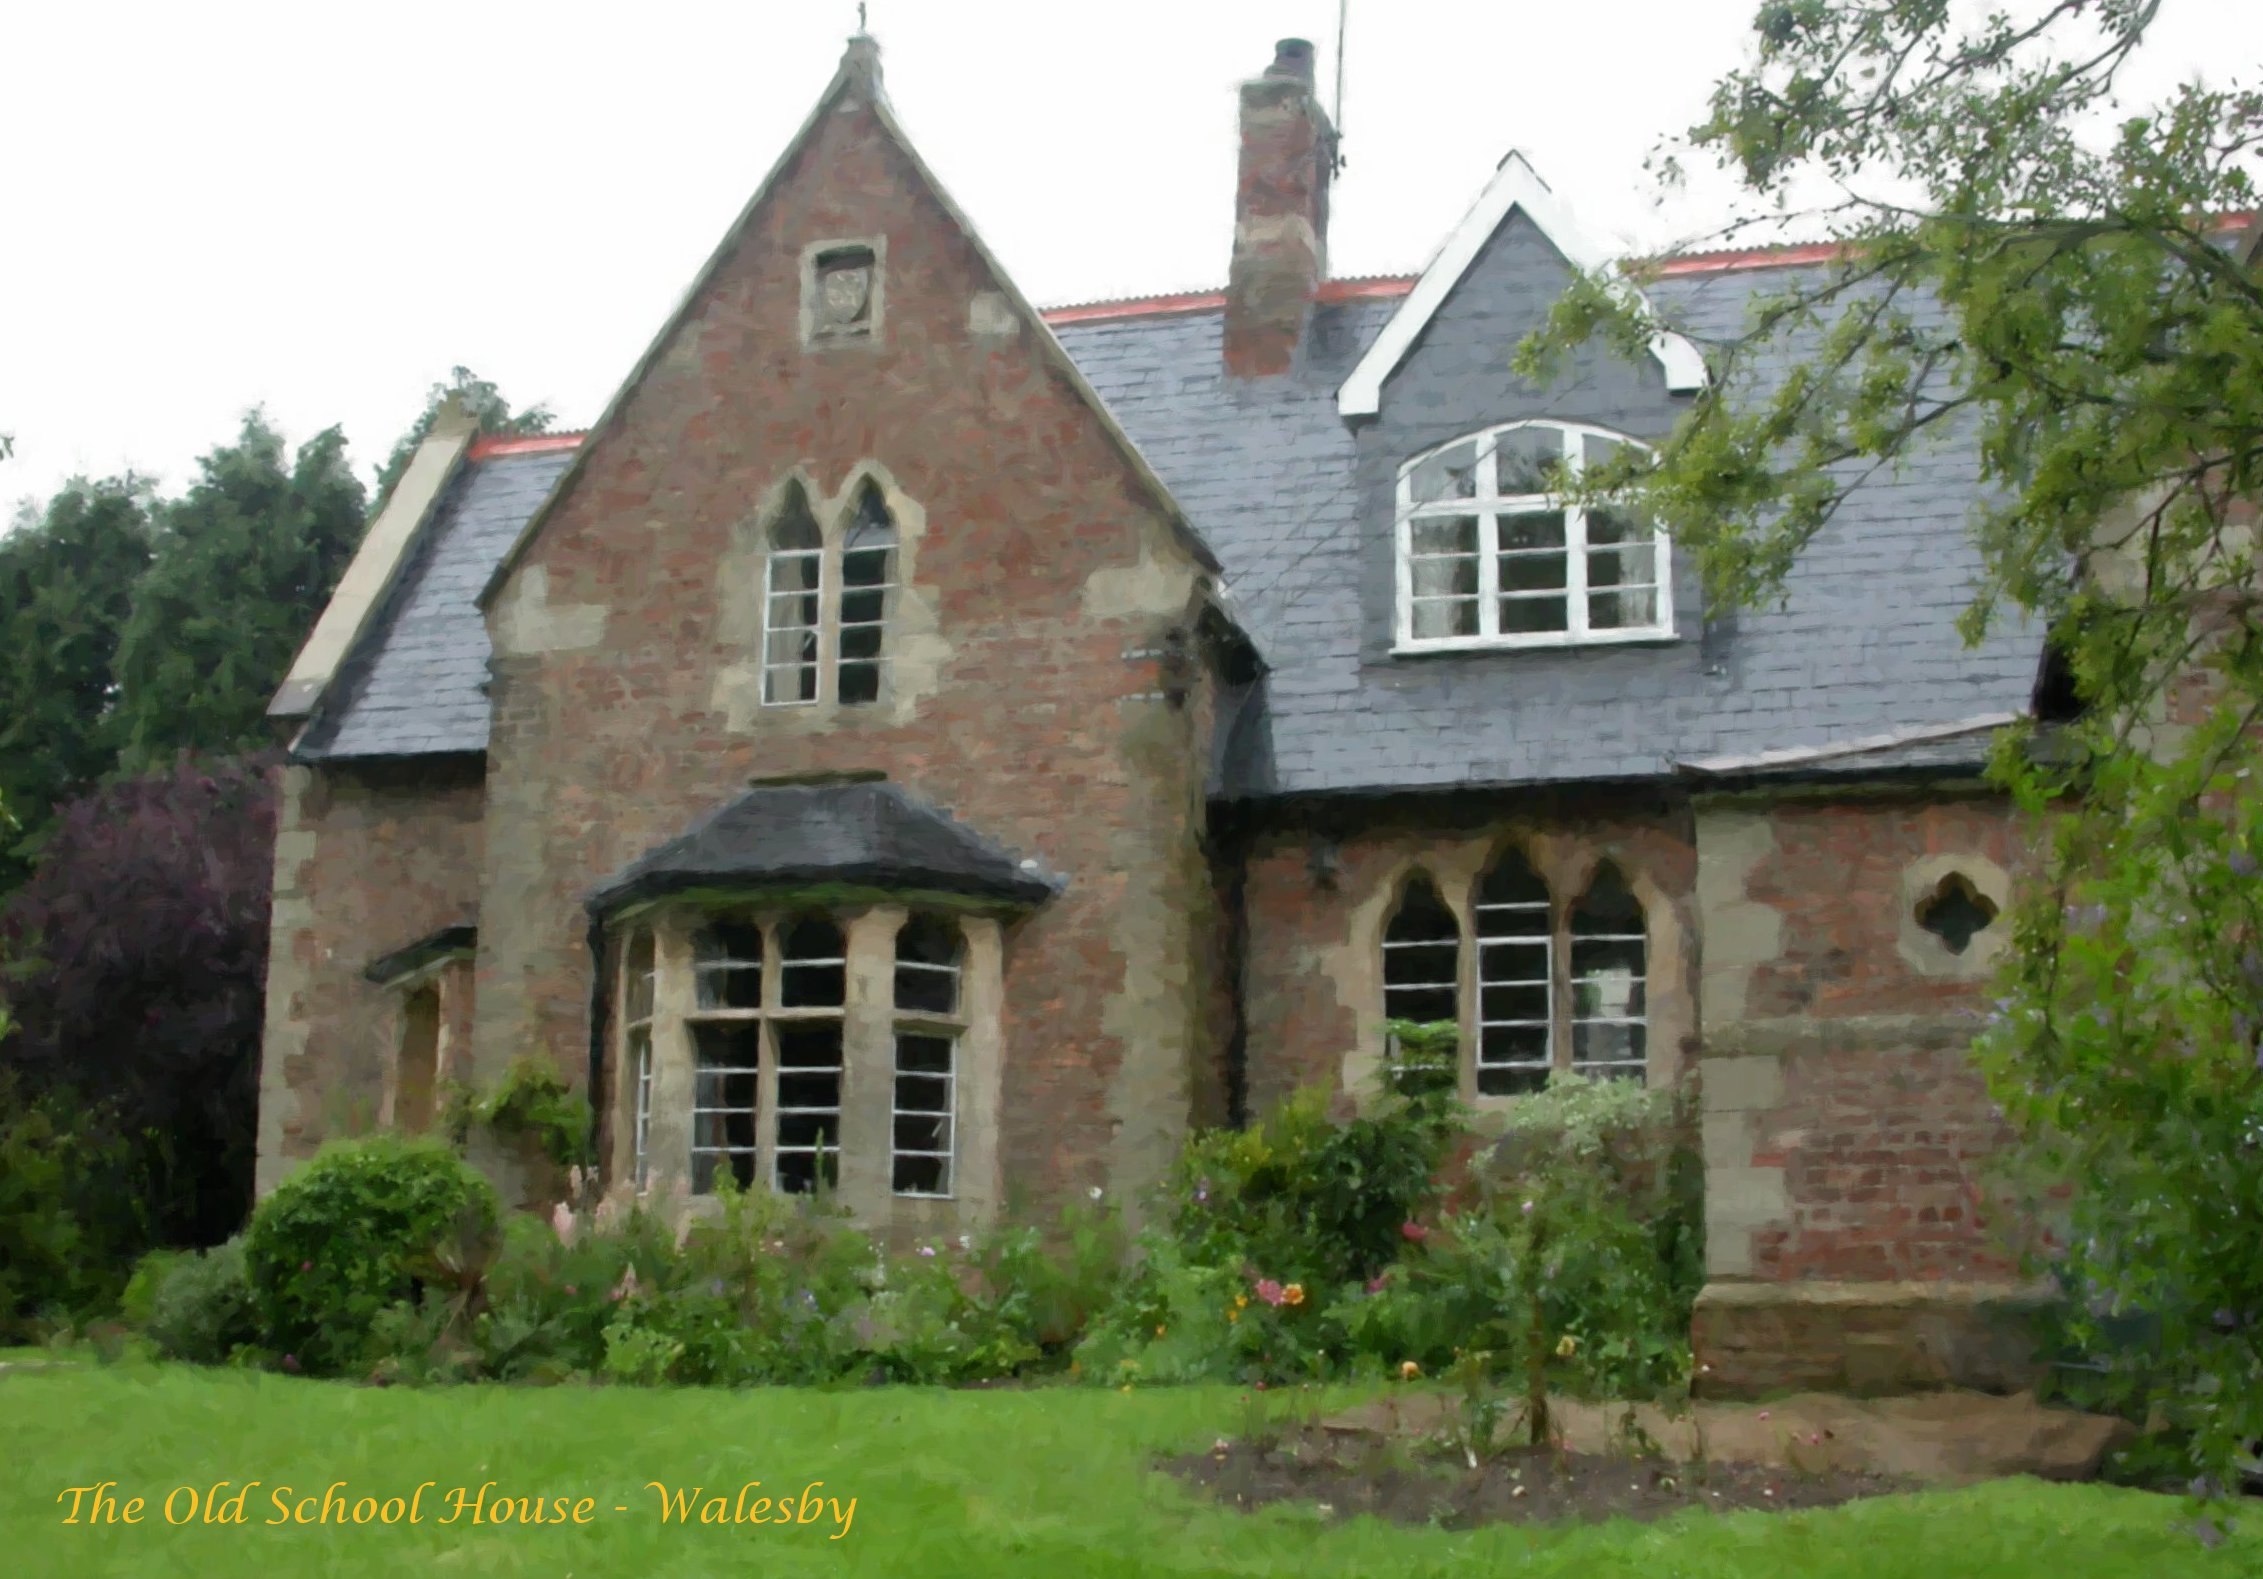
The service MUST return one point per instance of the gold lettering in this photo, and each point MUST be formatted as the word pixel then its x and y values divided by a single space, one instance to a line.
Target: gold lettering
pixel 583 1509
pixel 674 1504
pixel 843 1517
pixel 170 1516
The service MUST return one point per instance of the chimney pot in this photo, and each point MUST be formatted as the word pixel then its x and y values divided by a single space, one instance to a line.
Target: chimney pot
pixel 1292 57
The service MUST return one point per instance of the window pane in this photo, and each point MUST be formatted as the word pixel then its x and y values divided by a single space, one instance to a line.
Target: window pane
pixel 1449 474
pixel 813 972
pixel 808 1144
pixel 1531 460
pixel 1600 450
pixel 1443 534
pixel 925 1123
pixel 1629 608
pixel 921 1176
pixel 1525 530
pixel 1533 616
pixel 726 1070
pixel 927 966
pixel 1609 989
pixel 922 1132
pixel 1421 958
pixel 640 975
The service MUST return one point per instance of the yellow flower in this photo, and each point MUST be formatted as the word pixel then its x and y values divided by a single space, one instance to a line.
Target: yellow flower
pixel 1240 1300
pixel 1233 1315
pixel 1408 1370
pixel 1158 1332
pixel 1125 1388
pixel 1293 1294
pixel 1567 1348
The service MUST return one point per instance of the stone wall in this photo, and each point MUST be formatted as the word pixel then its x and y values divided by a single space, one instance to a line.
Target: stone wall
pixel 367 860
pixel 1032 695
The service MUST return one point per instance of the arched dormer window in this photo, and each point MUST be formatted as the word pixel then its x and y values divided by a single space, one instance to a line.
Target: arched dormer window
pixel 792 603
pixel 1492 554
pixel 868 573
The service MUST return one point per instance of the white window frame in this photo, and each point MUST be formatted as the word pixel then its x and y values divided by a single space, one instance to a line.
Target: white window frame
pixel 640 991
pixel 1639 983
pixel 1489 505
pixel 1488 917
pixel 814 666
pixel 934 1025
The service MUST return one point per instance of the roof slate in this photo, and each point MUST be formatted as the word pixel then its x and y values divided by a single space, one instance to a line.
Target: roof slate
pixel 795 835
pixel 416 683
pixel 1264 469
pixel 1865 643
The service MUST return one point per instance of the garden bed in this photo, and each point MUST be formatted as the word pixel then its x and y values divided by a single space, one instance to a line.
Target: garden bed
pixel 1346 1476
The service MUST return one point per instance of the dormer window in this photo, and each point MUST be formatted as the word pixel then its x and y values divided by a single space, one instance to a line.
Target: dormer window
pixel 1491 553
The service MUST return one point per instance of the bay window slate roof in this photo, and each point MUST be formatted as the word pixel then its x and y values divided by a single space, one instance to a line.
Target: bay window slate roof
pixel 859 835
pixel 1265 471
pixel 416 682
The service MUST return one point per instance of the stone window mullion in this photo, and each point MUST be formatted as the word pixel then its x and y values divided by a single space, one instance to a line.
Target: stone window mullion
pixel 867 1061
pixel 669 1138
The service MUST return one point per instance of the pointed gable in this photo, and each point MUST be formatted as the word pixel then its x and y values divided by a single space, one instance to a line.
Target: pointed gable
pixel 1002 313
pixel 1515 189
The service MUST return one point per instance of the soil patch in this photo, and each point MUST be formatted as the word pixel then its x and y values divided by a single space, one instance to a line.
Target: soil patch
pixel 1348 1475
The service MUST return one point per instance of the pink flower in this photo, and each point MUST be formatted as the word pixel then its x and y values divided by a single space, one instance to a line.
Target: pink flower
pixel 928 1251
pixel 291 1363
pixel 1763 1414
pixel 562 1223
pixel 1270 1292
pixel 1377 1283
pixel 571 1290
pixel 1413 1232
pixel 306 1266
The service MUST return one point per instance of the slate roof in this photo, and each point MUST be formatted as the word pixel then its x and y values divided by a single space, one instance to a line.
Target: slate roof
pixel 415 685
pixel 1865 645
pixel 864 834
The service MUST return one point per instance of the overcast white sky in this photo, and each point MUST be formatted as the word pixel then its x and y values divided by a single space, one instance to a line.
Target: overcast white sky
pixel 323 207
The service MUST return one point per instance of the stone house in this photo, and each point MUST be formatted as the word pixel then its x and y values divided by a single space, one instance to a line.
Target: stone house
pixel 951 750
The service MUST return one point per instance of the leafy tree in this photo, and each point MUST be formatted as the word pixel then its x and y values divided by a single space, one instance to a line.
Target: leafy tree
pixel 2048 277
pixel 479 398
pixel 243 564
pixel 138 952
pixel 67 580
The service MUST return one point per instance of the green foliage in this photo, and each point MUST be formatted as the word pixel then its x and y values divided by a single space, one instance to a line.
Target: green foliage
pixel 477 397
pixel 532 1102
pixel 352 1232
pixel 2046 269
pixel 243 564
pixel 2126 1048
pixel 199 1304
pixel 67 582
pixel 69 1213
pixel 1260 1230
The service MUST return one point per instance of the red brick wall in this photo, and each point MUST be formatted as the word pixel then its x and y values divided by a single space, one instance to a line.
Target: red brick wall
pixel 1844 1062
pixel 1885 1155
pixel 1836 880
pixel 1037 730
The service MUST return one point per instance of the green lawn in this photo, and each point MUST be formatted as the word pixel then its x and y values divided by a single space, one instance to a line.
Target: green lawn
pixel 1053 1483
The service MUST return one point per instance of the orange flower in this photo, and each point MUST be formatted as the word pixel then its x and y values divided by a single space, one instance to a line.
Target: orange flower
pixel 1293 1294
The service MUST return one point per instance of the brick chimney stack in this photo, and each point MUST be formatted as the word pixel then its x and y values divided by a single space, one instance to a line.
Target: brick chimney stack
pixel 1280 215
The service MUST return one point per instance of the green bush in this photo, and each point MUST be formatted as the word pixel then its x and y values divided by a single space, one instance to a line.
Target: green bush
pixel 199 1304
pixel 362 1226
pixel 70 1226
